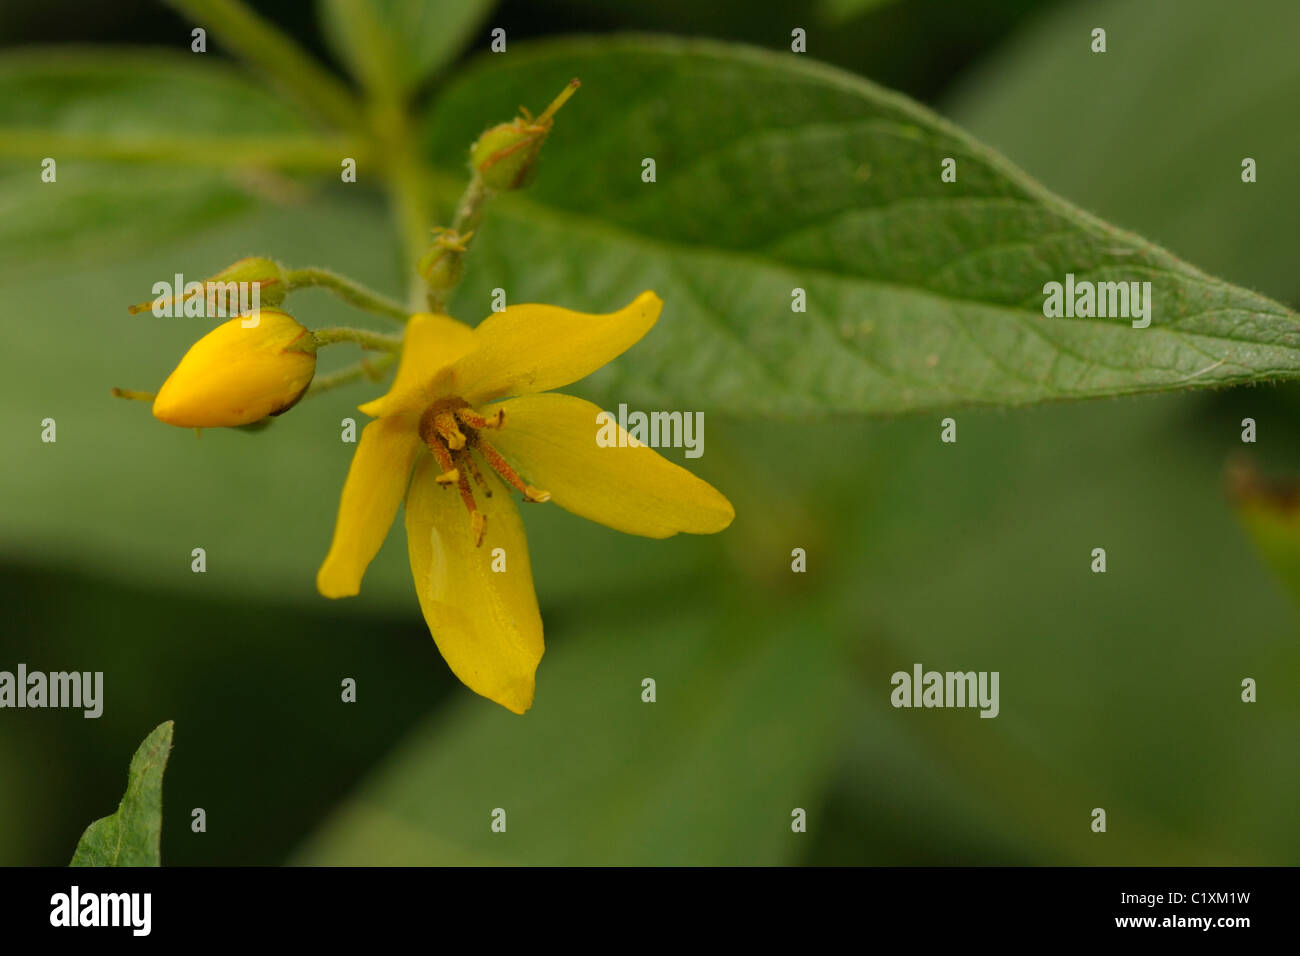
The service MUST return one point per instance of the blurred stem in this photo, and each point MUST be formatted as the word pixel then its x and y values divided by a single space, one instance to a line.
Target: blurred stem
pixel 305 153
pixel 348 290
pixel 409 193
pixel 372 369
pixel 469 211
pixel 376 341
pixel 373 63
pixel 262 44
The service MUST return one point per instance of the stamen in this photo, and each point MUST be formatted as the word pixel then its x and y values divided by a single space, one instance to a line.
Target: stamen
pixel 477 520
pixel 445 424
pixel 473 419
pixel 443 456
pixel 502 468
pixel 440 428
pixel 469 462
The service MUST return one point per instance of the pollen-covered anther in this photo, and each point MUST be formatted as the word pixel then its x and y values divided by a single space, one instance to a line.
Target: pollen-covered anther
pixel 448 477
pixel 473 419
pixel 445 424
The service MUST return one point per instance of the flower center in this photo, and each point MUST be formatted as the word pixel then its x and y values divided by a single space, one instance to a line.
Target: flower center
pixel 454 432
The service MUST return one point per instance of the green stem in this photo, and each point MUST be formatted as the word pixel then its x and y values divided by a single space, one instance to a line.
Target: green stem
pixel 262 44
pixel 469 211
pixel 376 341
pixel 305 153
pixel 409 194
pixel 348 290
pixel 372 369
pixel 469 215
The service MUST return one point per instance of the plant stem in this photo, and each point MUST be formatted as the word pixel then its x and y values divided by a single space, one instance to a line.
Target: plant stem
pixel 469 214
pixel 262 44
pixel 296 152
pixel 372 369
pixel 348 290
pixel 469 211
pixel 407 181
pixel 375 341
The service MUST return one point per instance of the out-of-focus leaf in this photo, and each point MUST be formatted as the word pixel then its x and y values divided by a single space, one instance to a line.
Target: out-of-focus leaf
pixel 1152 133
pixel 745 723
pixel 81 107
pixel 838 11
pixel 1270 511
pixel 1119 690
pixel 774 174
pixel 392 46
pixel 132 835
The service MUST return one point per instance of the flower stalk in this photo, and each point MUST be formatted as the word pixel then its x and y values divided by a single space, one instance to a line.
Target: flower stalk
pixel 375 341
pixel 351 292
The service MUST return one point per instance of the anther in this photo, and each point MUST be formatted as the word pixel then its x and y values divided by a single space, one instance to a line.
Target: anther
pixel 474 420
pixel 445 424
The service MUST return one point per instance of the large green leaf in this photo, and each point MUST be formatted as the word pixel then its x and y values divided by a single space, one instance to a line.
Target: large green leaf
pixel 391 46
pixel 1152 133
pixel 741 734
pixel 774 173
pixel 132 835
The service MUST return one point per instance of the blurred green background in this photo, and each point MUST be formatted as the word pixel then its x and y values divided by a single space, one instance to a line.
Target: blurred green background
pixel 1118 690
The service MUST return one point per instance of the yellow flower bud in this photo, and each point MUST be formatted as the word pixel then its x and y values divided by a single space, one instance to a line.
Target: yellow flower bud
pixel 237 374
pixel 504 157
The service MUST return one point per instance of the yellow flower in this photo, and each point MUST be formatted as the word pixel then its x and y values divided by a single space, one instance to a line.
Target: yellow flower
pixel 239 373
pixel 443 418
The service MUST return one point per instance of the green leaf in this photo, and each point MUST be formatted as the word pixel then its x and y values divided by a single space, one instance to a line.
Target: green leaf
pixel 742 732
pixel 131 836
pixel 981 551
pixel 392 46
pixel 1185 91
pixel 776 173
pixel 82 108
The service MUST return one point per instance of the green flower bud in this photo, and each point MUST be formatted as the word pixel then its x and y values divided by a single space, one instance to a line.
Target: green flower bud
pixel 223 289
pixel 443 264
pixel 505 156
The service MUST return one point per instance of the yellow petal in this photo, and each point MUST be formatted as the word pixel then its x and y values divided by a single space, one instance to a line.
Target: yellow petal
pixel 374 488
pixel 485 622
pixel 535 348
pixel 430 344
pixel 551 440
